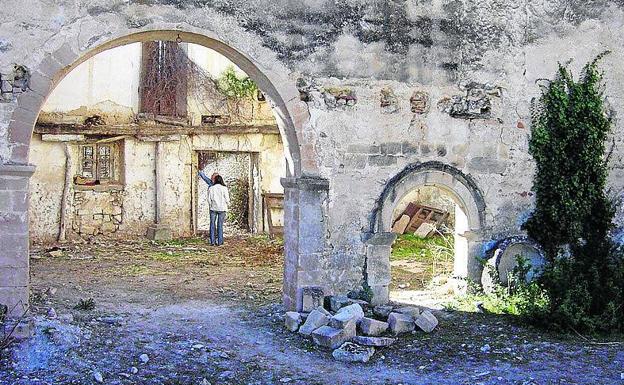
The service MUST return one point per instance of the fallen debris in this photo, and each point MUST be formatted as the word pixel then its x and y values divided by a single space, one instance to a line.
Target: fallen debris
pixel 401 323
pixel 350 352
pixel 312 298
pixel 292 320
pixel 372 327
pixel 374 341
pixel 426 321
pixel 332 338
pixel 315 320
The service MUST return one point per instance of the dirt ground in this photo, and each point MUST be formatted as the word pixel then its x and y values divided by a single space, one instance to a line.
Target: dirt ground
pixel 211 315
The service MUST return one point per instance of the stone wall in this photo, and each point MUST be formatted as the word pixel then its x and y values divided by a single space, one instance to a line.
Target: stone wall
pixel 97 212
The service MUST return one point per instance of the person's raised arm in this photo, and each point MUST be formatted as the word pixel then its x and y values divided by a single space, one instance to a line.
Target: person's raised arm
pixel 206 178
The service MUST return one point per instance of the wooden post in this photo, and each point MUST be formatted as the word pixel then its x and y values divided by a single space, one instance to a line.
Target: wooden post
pixel 62 236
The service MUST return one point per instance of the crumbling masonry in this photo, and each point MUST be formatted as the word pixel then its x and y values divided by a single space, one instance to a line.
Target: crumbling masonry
pixel 372 99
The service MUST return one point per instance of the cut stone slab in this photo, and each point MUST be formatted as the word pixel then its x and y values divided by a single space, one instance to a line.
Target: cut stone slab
pixel 401 224
pixel 312 298
pixel 424 230
pixel 351 314
pixel 336 302
pixel 350 352
pixel 292 320
pixel 374 341
pixel 372 327
pixel 401 323
pixel 315 320
pixel 332 338
pixel 411 310
pixel 382 311
pixel 426 321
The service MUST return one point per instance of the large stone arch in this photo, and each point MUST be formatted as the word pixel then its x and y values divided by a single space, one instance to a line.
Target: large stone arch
pixel 258 62
pixel 459 186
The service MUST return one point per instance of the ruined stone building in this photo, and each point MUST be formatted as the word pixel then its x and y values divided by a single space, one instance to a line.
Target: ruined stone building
pixel 132 145
pixel 372 99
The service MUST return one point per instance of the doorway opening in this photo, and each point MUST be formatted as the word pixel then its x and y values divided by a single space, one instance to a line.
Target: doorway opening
pixel 429 223
pixel 438 214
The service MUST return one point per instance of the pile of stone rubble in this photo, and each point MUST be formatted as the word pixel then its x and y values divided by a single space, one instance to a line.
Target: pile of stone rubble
pixel 353 328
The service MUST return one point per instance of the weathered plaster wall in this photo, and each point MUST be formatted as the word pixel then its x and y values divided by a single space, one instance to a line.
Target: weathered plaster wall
pixel 46 188
pixel 129 209
pixel 108 85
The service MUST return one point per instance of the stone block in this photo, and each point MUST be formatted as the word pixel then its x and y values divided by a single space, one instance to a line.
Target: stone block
pixel 381 294
pixel 382 311
pixel 382 160
pixel 65 55
pixel 401 323
pixel 391 148
pixel 336 302
pixel 14 276
pixel 13 184
pixel 426 321
pixel 355 161
pixel 408 148
pixel 16 298
pixel 412 311
pixel 347 316
pixel 378 265
pixel 351 352
pixel 311 298
pixel 401 224
pixel 292 320
pixel 315 320
pixel 14 251
pixel 332 338
pixel 424 230
pixel 372 327
pixel 374 341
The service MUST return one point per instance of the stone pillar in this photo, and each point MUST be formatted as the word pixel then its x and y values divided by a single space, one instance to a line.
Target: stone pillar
pixel 305 239
pixel 378 250
pixel 158 231
pixel 14 242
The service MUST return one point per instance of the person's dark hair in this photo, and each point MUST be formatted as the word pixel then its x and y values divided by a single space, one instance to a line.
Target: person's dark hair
pixel 219 180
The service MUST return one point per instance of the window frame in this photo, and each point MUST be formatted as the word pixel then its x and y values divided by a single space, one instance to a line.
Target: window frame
pixel 113 158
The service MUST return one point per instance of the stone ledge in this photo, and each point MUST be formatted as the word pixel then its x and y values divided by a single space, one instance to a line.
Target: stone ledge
pixel 17 170
pixel 310 183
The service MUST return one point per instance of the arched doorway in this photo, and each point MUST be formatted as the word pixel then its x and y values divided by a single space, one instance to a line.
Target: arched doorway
pixel 469 222
pixel 290 113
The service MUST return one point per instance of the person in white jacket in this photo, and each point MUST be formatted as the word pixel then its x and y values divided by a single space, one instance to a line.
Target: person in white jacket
pixel 219 200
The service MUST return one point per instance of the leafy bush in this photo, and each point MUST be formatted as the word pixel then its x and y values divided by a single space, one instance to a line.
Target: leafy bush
pixel 519 297
pixel 573 215
pixel 233 86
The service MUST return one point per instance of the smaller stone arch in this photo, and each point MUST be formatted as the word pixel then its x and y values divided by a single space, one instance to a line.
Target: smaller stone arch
pixel 460 187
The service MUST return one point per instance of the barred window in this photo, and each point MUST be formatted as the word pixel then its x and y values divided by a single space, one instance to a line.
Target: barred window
pixel 97 161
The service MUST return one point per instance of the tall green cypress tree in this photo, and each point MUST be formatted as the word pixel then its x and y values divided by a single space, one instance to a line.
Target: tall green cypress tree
pixel 573 215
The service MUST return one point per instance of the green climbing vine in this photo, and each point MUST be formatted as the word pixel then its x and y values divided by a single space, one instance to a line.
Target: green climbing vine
pixel 573 216
pixel 234 86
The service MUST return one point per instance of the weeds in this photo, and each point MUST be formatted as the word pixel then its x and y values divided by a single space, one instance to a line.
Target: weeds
pixel 85 304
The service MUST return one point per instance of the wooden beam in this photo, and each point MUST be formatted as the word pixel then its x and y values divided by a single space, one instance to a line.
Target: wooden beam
pixel 153 130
